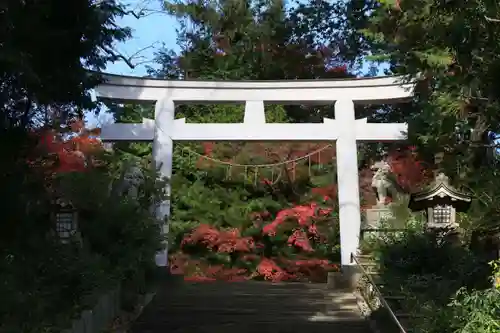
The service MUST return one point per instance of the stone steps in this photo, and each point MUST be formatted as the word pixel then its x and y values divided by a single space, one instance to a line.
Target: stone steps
pixel 249 307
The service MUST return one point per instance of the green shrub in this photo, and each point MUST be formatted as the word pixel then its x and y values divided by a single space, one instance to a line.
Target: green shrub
pixel 44 283
pixel 447 287
pixel 426 261
pixel 476 311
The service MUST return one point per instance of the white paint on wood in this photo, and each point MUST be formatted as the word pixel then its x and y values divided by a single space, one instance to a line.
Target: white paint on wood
pixel 182 131
pixel 345 129
pixel 383 89
pixel 254 113
pixel 162 154
pixel 347 180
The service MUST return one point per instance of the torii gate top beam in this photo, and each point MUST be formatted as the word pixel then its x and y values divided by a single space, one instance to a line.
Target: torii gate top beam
pixel 363 90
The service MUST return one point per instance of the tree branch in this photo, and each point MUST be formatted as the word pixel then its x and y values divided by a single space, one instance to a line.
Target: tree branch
pixel 130 60
pixel 489 19
pixel 143 9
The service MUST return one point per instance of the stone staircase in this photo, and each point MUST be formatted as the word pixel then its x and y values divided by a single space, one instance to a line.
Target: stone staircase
pixel 250 307
pixel 390 295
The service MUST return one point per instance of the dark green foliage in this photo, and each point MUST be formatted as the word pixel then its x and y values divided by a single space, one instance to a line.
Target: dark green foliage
pixel 44 283
pixel 445 286
pixel 475 311
pixel 46 49
pixel 431 259
pixel 55 281
pixel 451 47
pixel 254 40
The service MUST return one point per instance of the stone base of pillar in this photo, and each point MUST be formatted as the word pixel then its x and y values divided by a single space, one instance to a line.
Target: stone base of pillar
pixel 346 279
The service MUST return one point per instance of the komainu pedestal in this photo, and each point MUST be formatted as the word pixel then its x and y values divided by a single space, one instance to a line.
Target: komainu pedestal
pixel 376 220
pixel 378 217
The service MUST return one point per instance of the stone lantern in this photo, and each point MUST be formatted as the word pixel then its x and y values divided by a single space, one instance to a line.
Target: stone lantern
pixel 65 217
pixel 440 201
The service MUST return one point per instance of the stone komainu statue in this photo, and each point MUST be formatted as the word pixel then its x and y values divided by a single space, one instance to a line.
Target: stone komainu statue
pixel 381 183
pixel 133 178
pixel 130 181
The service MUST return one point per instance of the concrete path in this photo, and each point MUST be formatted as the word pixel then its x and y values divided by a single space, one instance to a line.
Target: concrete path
pixel 250 307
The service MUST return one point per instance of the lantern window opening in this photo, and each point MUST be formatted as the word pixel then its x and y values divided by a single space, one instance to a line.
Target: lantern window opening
pixel 65 220
pixel 65 224
pixel 442 214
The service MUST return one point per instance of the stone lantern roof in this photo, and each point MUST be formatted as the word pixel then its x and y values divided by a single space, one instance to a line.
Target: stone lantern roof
pixel 440 192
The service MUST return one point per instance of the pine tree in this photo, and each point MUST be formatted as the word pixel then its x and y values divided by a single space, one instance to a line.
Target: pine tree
pixel 452 47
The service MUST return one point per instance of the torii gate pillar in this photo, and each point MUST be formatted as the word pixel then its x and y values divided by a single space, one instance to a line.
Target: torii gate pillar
pixel 163 150
pixel 347 180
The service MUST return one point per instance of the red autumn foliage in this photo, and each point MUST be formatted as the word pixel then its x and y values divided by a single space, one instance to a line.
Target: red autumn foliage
pixel 269 270
pixel 303 214
pixel 300 224
pixel 68 152
pixel 338 69
pixel 411 174
pixel 223 241
pixel 300 239
pixel 313 269
pixel 300 221
pixel 198 270
pixel 327 192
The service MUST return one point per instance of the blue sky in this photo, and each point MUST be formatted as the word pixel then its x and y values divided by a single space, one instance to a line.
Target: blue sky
pixel 156 29
pixel 153 30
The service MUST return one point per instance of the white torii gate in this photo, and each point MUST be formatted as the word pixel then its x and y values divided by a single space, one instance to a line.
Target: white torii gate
pixel 344 129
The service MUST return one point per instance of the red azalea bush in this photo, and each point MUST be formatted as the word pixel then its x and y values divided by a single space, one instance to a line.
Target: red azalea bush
pixel 300 242
pixel 294 245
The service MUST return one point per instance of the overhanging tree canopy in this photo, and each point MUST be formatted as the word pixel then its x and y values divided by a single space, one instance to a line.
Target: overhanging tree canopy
pixel 453 47
pixel 46 49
